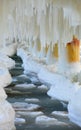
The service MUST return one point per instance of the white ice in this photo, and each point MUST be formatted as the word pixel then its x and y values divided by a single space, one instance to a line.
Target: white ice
pixel 7 113
pixel 6 62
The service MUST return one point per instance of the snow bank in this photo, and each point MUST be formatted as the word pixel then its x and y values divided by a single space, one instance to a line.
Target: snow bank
pixel 74 108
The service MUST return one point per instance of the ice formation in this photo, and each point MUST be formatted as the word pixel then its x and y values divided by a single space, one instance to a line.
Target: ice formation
pixel 49 31
pixel 6 115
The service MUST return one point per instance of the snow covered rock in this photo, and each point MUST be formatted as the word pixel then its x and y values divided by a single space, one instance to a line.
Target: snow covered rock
pixel 30 114
pixel 19 121
pixel 60 113
pixel 25 106
pixel 25 86
pixel 34 100
pixel 45 120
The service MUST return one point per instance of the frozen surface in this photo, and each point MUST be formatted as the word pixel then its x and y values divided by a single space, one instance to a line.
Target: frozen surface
pixel 74 108
pixel 5 77
pixel 7 126
pixel 64 87
pixel 25 86
pixel 6 62
pixel 7 115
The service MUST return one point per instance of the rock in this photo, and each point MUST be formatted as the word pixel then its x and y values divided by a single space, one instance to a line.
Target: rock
pixel 24 86
pixel 43 87
pixel 45 120
pixel 16 71
pixel 30 114
pixel 23 78
pixel 21 106
pixel 60 113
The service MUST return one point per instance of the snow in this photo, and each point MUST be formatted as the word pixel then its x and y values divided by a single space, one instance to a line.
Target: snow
pixel 7 126
pixel 74 108
pixel 28 63
pixel 6 62
pixel 63 89
pixel 6 116
pixel 9 49
pixel 5 77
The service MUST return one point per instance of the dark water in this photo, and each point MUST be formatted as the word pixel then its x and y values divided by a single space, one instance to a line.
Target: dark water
pixel 47 105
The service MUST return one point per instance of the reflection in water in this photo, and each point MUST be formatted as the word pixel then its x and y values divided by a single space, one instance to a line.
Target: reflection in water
pixel 8 126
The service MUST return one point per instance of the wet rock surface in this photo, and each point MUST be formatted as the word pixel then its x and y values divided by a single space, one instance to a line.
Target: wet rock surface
pixel 35 110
